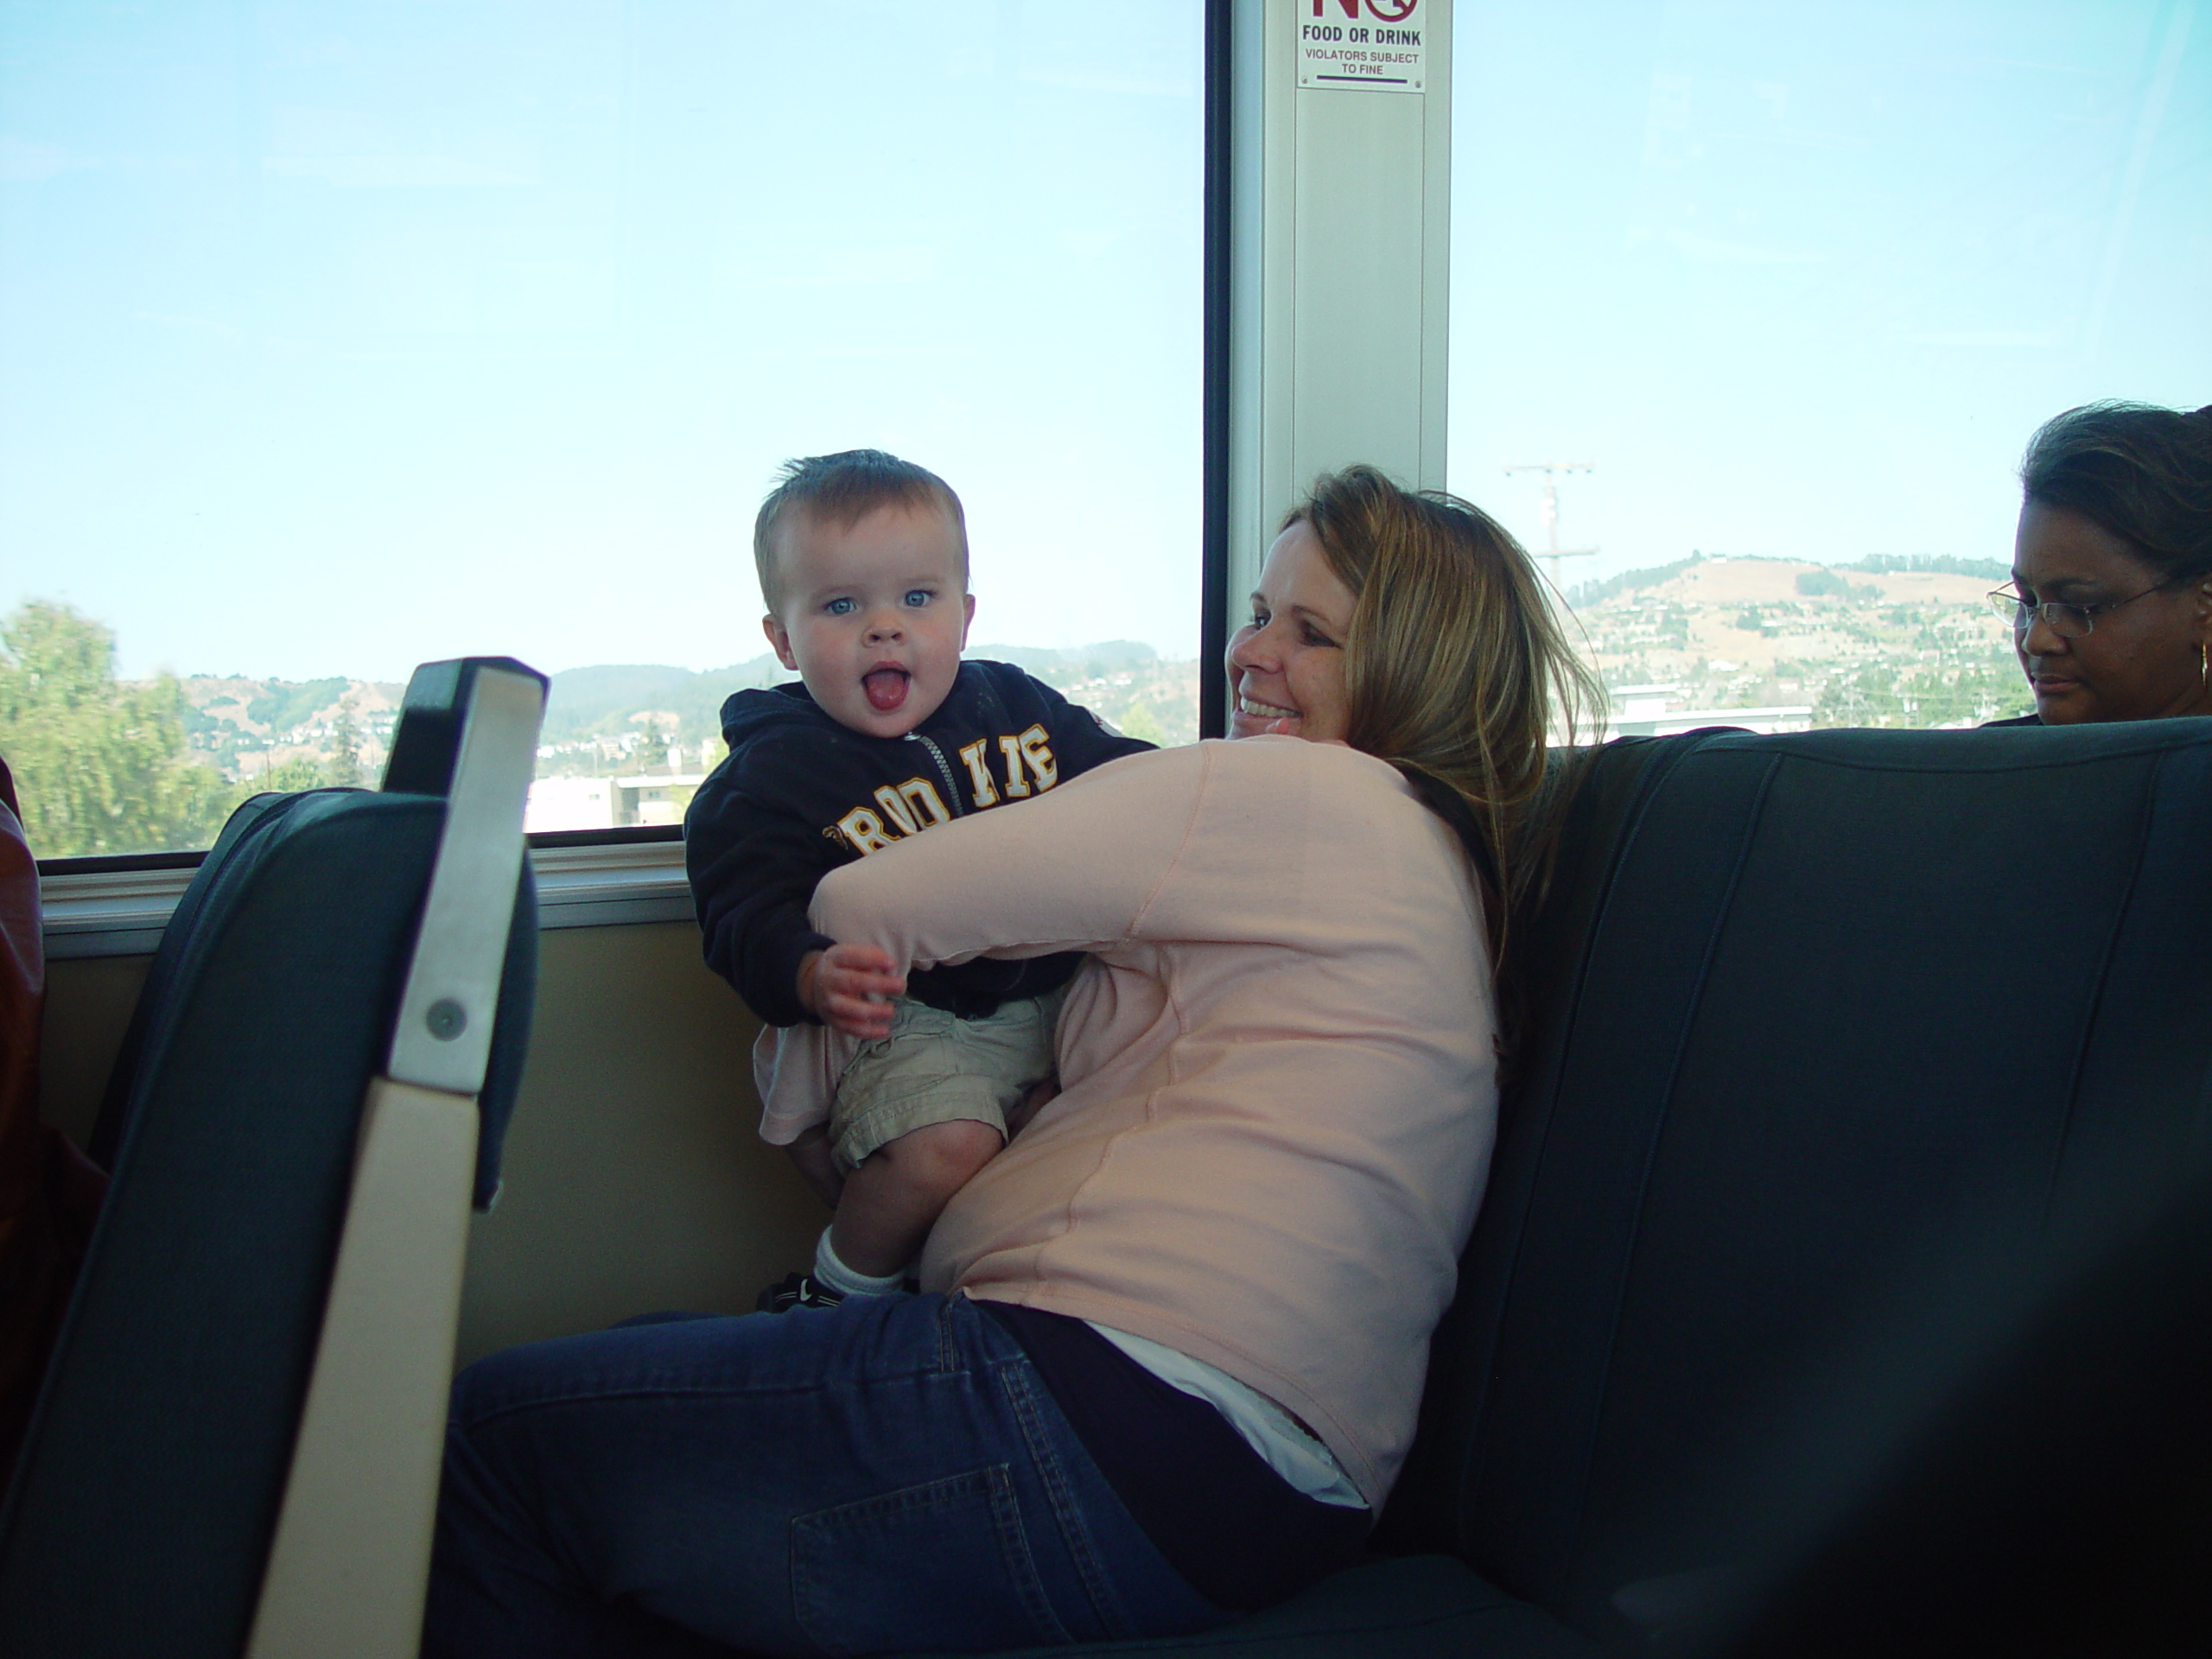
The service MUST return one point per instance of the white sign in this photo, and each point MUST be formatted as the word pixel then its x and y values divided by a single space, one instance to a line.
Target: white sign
pixel 1373 45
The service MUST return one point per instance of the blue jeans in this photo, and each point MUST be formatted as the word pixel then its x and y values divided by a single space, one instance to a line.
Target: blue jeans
pixel 887 1475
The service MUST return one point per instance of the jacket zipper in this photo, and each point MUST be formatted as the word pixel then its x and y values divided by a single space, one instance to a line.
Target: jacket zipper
pixel 945 770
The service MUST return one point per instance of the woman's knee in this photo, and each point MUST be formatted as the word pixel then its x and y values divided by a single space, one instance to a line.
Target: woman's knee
pixel 535 1373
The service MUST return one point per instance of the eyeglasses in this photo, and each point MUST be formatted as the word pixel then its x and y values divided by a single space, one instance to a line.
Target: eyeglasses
pixel 2066 621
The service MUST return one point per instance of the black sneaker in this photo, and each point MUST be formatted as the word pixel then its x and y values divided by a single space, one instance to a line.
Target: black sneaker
pixel 797 1290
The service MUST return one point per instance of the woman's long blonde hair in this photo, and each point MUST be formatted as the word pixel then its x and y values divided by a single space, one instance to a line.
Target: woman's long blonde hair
pixel 1456 671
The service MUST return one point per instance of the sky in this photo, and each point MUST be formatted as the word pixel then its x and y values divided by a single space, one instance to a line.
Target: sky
pixel 335 337
pixel 1800 280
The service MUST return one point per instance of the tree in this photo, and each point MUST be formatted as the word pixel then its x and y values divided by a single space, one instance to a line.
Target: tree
pixel 102 767
pixel 1138 721
pixel 344 766
pixel 289 776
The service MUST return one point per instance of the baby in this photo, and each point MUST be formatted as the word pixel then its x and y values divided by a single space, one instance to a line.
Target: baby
pixel 863 564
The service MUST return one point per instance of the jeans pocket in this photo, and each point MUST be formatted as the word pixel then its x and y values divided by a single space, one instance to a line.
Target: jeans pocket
pixel 943 1565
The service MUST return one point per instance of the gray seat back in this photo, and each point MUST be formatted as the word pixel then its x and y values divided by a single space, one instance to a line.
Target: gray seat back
pixel 1809 1009
pixel 142 1514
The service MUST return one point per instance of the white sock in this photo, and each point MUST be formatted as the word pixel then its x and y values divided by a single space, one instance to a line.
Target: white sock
pixel 849 1281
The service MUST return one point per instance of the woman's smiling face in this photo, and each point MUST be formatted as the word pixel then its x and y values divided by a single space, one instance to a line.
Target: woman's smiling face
pixel 1287 664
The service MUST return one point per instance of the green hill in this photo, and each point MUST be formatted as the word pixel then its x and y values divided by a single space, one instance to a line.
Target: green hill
pixel 605 700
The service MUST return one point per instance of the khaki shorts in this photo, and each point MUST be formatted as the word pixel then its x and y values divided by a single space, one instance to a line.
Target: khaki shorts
pixel 935 1068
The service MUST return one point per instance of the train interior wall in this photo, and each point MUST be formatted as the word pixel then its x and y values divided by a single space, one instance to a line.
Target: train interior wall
pixel 634 1180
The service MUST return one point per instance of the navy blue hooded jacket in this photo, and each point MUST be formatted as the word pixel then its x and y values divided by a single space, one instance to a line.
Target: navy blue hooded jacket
pixel 801 794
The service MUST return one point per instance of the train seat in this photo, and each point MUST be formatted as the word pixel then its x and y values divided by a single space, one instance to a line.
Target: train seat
pixel 1815 1018
pixel 236 1448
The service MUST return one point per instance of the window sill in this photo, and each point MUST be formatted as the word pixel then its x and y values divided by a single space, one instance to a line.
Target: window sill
pixel 122 912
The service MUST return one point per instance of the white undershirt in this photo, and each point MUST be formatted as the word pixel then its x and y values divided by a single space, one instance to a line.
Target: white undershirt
pixel 1270 1430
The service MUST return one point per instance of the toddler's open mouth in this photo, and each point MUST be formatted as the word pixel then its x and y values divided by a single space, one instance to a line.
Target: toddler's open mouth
pixel 886 688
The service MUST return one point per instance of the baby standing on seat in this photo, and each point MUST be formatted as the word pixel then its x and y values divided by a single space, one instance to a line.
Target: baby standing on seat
pixel 863 566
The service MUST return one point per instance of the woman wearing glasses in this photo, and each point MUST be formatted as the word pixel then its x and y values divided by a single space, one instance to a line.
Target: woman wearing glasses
pixel 2111 596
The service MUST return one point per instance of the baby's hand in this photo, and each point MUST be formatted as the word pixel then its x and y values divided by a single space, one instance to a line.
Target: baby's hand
pixel 850 987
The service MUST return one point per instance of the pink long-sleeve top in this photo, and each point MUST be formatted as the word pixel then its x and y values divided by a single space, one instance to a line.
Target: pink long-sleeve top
pixel 1278 1084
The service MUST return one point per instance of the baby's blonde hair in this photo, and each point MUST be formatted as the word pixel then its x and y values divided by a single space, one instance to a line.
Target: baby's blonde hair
pixel 844 488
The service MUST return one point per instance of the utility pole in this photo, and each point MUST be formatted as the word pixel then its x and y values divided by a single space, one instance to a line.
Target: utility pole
pixel 1551 549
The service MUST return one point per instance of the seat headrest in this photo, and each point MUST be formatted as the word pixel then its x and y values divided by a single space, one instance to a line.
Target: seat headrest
pixel 427 737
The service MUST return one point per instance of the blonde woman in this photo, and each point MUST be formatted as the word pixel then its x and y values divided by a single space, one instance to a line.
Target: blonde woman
pixel 1170 1345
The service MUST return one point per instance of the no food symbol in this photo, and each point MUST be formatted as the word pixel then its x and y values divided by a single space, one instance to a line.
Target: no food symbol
pixel 1383 11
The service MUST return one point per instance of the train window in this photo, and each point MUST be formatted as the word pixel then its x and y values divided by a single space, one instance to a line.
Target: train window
pixel 338 337
pixel 1754 307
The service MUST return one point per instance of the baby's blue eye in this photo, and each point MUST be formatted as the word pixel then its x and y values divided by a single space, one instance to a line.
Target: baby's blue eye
pixel 918 597
pixel 839 608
